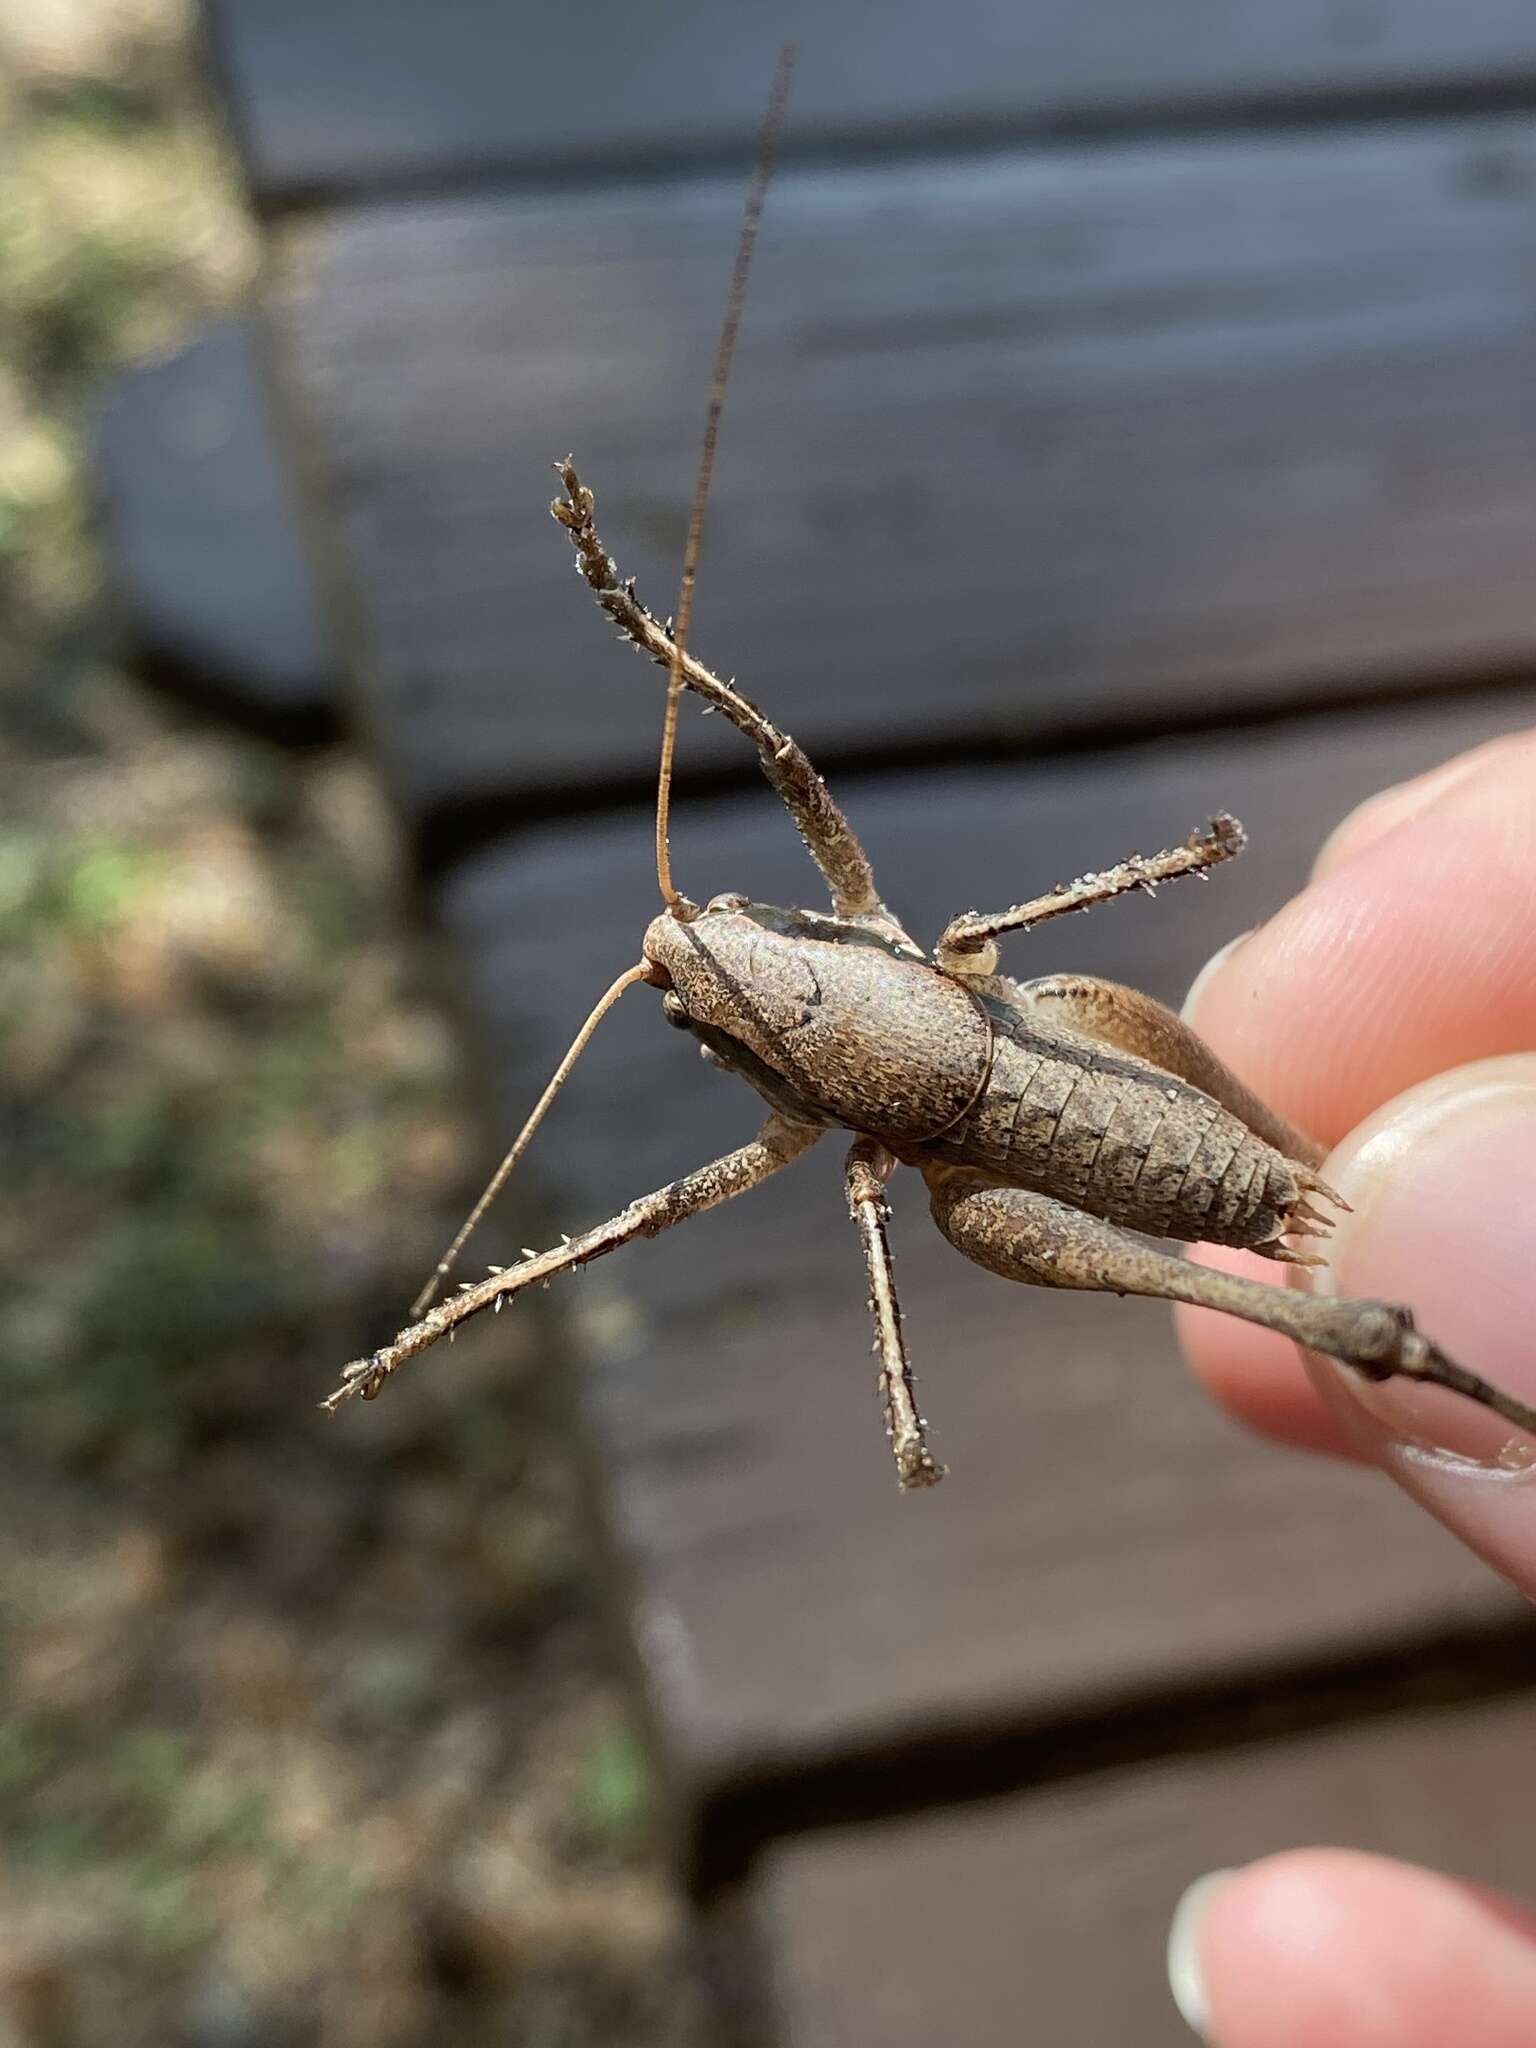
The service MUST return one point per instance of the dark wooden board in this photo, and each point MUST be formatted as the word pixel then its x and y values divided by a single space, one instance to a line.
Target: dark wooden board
pixel 335 95
pixel 1025 443
pixel 1045 1919
pixel 1102 1530
pixel 198 517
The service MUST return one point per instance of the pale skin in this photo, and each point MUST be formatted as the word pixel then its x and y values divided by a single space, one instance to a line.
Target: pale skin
pixel 1429 1101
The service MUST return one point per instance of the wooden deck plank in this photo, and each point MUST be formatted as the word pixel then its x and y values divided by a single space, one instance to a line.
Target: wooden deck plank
pixel 1032 442
pixel 1044 1919
pixel 1102 1529
pixel 343 95
pixel 196 505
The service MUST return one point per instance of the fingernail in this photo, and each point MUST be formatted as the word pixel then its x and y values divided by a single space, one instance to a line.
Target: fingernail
pixel 1442 1182
pixel 1186 1976
pixel 1207 973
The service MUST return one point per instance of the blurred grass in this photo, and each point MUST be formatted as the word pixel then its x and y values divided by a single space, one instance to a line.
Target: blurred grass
pixel 307 1734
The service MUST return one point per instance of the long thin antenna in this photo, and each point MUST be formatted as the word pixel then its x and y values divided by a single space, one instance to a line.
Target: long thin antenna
pixel 498 1180
pixel 752 214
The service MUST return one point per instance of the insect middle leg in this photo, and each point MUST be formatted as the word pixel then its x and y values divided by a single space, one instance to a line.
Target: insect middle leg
pixel 1032 1237
pixel 776 1145
pixel 868 1169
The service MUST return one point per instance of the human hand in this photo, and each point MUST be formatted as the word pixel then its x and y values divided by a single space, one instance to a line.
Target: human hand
pixel 1391 1010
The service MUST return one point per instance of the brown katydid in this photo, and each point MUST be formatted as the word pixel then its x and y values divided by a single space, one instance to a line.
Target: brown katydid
pixel 1058 1122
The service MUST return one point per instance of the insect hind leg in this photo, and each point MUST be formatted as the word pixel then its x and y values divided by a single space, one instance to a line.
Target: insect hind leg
pixel 1034 1238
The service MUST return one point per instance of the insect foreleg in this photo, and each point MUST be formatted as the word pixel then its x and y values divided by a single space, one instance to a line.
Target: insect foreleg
pixel 776 1145
pixel 829 838
pixel 869 1167
pixel 1031 1237
pixel 967 943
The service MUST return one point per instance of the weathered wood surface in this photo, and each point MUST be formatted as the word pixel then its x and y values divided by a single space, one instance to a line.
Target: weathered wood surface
pixel 199 518
pixel 1102 1530
pixel 1020 444
pixel 1044 1919
pixel 337 95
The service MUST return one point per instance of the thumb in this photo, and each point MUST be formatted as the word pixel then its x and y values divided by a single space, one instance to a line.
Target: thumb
pixel 1443 1187
pixel 1338 1950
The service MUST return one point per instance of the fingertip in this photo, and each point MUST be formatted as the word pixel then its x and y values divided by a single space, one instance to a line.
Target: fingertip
pixel 1405 801
pixel 1340 1949
pixel 1441 1183
pixel 1443 1186
pixel 1412 950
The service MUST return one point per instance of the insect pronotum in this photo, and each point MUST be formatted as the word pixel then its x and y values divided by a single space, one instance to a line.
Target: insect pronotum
pixel 1057 1122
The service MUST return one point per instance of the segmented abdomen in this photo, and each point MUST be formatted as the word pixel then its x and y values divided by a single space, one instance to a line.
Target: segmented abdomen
pixel 1119 1138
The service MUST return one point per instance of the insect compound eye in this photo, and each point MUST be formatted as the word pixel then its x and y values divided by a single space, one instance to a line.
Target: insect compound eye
pixel 674 1009
pixel 731 900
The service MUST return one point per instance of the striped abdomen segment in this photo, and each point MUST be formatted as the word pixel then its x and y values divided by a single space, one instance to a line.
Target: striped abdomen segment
pixel 1118 1137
